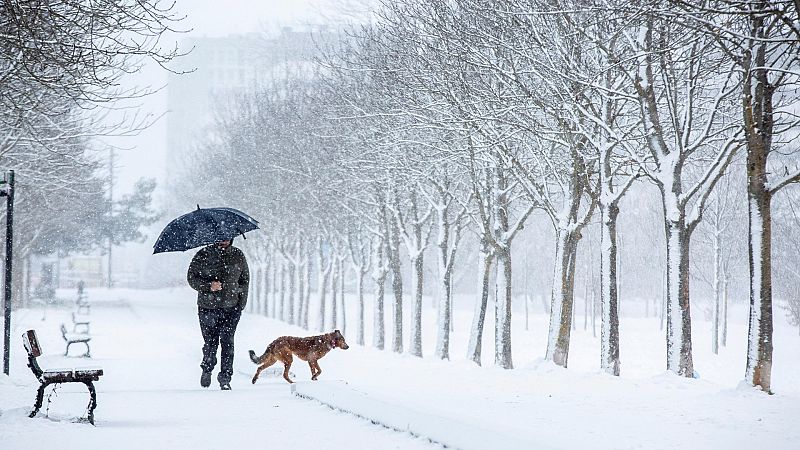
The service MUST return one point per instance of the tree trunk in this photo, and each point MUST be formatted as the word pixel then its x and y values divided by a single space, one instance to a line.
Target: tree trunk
pixel 397 287
pixel 485 260
pixel 289 309
pixel 525 287
pixel 265 288
pixel 360 313
pixel 378 321
pixel 415 348
pixel 609 325
pixel 758 126
pixel 415 243
pixel 444 313
pixel 307 293
pixel 302 268
pixel 301 285
pixel 662 316
pixel 594 313
pixel 282 301
pixel 343 310
pixel 334 309
pixel 586 301
pixel 759 342
pixel 717 293
pixel 724 308
pixel 275 287
pixel 679 329
pixel 562 298
pixel 322 282
pixel 502 336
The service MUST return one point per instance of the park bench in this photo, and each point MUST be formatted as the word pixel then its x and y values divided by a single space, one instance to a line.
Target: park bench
pixel 47 377
pixel 80 321
pixel 82 304
pixel 76 338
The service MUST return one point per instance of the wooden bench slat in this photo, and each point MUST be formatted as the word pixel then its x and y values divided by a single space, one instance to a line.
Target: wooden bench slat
pixel 88 372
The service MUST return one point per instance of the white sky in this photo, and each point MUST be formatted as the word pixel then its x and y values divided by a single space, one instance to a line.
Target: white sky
pixel 215 18
pixel 144 155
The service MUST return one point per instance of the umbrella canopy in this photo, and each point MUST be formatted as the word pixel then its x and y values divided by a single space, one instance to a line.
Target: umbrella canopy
pixel 202 227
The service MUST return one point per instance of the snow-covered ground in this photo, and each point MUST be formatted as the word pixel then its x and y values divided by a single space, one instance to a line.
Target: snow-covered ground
pixel 148 343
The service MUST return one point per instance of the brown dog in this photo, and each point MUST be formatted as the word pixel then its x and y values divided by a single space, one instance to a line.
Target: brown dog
pixel 308 349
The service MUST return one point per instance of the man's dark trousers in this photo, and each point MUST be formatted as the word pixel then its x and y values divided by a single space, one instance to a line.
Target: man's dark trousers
pixel 218 327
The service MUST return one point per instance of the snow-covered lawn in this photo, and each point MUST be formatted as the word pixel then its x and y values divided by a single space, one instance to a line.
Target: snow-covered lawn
pixel 148 343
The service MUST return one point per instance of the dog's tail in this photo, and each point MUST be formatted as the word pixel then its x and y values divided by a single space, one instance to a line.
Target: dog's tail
pixel 257 359
pixel 260 359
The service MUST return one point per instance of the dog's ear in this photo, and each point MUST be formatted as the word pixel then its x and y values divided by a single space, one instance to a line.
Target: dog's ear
pixel 337 331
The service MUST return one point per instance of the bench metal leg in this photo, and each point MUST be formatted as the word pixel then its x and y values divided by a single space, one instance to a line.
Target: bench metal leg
pixel 92 400
pixel 39 399
pixel 85 355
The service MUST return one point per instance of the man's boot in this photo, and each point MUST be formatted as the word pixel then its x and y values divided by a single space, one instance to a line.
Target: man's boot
pixel 205 379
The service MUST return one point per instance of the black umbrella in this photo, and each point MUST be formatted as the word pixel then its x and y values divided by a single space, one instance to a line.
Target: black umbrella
pixel 202 227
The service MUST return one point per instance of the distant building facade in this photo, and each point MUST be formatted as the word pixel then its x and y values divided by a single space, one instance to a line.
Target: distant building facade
pixel 218 68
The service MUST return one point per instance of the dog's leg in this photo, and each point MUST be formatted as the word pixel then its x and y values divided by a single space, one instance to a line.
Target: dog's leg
pixel 268 362
pixel 318 370
pixel 313 370
pixel 286 358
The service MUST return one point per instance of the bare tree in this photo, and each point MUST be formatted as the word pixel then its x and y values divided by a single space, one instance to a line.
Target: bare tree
pixel 787 229
pixel 360 249
pixel 761 40
pixel 450 222
pixel 325 267
pixel 719 232
pixel 684 93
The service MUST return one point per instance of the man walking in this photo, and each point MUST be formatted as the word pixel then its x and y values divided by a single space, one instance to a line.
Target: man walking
pixel 220 275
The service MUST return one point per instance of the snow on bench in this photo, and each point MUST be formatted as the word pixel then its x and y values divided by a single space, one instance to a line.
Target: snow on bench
pixel 76 338
pixel 442 430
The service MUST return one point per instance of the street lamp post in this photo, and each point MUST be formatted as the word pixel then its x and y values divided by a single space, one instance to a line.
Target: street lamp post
pixel 7 191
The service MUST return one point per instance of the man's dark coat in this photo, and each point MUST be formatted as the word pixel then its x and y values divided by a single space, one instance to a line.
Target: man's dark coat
pixel 227 266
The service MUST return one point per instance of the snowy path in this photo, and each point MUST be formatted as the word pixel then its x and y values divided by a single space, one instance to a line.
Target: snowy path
pixel 150 396
pixel 149 345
